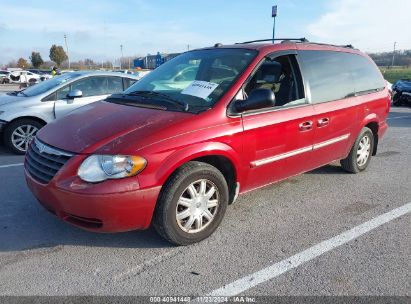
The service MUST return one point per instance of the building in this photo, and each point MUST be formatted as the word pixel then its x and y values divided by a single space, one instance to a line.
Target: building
pixel 153 61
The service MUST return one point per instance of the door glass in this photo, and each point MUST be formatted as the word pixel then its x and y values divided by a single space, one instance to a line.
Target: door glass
pixel 91 86
pixel 114 85
pixel 128 82
pixel 328 75
pixel 283 77
pixel 62 93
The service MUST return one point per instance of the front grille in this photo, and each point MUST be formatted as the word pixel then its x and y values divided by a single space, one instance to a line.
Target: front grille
pixel 44 161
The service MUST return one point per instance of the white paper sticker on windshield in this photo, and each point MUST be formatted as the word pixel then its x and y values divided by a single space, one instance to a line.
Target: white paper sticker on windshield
pixel 200 89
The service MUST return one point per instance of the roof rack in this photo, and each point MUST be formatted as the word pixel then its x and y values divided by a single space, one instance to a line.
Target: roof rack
pixel 276 39
pixel 350 46
pixel 298 40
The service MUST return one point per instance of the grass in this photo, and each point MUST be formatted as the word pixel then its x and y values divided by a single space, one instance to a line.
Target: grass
pixel 392 75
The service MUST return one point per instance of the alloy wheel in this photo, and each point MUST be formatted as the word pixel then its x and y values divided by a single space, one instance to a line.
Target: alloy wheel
pixel 22 136
pixel 363 151
pixel 197 206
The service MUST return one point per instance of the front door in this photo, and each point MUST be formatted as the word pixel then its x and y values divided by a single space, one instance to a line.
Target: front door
pixel 277 141
pixel 93 88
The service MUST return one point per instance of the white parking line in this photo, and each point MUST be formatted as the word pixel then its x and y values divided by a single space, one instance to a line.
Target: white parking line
pixel 398 117
pixel 11 165
pixel 296 260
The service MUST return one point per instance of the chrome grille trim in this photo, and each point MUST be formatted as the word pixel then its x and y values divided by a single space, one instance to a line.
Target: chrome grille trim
pixel 43 161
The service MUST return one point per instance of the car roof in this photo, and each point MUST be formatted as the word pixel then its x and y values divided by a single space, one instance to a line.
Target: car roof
pixel 291 45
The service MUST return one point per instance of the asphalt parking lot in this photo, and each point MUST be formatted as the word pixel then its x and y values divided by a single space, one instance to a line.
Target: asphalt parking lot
pixel 263 232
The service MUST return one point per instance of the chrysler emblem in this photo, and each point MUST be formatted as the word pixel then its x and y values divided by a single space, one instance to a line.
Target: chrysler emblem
pixel 40 146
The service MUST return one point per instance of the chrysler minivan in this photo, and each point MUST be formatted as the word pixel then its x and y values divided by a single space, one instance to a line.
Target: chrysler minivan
pixel 174 152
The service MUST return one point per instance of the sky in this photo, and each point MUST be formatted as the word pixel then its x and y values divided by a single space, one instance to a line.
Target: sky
pixel 96 28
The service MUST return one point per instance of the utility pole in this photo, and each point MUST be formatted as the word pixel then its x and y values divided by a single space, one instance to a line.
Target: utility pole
pixel 393 55
pixel 274 15
pixel 188 47
pixel 121 60
pixel 68 57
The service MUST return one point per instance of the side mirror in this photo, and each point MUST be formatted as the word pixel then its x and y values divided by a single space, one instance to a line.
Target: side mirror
pixel 258 99
pixel 74 94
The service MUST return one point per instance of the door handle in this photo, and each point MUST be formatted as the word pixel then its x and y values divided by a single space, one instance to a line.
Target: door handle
pixel 306 125
pixel 323 122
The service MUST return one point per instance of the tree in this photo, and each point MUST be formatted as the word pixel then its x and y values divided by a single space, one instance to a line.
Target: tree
pixel 57 54
pixel 36 59
pixel 22 63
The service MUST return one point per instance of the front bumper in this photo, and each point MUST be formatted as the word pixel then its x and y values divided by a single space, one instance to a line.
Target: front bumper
pixel 105 212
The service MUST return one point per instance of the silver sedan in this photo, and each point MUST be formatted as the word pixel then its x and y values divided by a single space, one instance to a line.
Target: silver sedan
pixel 23 113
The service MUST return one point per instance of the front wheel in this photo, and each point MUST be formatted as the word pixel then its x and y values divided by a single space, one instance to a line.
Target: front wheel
pixel 192 204
pixel 360 154
pixel 19 134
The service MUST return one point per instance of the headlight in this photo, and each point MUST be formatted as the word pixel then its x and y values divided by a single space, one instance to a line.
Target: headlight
pixel 97 168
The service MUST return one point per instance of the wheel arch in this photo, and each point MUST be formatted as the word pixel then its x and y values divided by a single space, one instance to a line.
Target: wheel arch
pixel 218 155
pixel 371 122
pixel 35 118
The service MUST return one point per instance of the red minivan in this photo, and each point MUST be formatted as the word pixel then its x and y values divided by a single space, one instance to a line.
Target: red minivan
pixel 177 147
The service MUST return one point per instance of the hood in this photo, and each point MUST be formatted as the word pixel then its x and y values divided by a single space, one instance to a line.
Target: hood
pixel 5 99
pixel 103 124
pixel 404 85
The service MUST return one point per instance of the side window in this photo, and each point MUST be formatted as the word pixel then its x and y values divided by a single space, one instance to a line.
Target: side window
pixel 128 82
pixel 62 93
pixel 328 75
pixel 283 77
pixel 114 85
pixel 91 86
pixel 366 75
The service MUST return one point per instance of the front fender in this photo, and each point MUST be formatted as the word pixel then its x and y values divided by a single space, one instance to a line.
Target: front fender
pixel 181 156
pixel 13 115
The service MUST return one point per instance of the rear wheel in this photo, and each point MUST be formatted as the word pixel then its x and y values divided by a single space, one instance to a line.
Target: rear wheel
pixel 19 134
pixel 192 204
pixel 360 154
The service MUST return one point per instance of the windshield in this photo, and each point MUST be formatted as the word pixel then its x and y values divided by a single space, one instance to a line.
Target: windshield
pixel 49 84
pixel 196 79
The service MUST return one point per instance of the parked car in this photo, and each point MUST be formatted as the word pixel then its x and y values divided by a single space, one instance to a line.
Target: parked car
pixel 23 113
pixel 401 91
pixel 21 76
pixel 44 74
pixel 176 157
pixel 4 77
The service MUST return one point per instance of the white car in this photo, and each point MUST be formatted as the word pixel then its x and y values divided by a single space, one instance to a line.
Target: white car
pixel 23 113
pixel 23 77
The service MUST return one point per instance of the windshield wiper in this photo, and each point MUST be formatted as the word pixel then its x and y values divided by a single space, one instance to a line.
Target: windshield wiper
pixel 165 97
pixel 122 99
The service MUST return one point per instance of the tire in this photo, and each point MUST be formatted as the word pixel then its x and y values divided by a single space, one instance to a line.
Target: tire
pixel 24 129
pixel 176 198
pixel 360 154
pixel 396 101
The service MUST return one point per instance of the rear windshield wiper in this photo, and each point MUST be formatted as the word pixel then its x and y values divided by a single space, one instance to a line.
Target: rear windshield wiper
pixel 147 94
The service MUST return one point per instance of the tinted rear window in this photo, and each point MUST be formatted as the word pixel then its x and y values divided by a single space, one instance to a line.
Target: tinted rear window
pixel 337 75
pixel 366 75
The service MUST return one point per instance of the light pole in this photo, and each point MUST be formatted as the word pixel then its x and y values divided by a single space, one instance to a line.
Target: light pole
pixel 393 55
pixel 274 14
pixel 121 60
pixel 67 51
